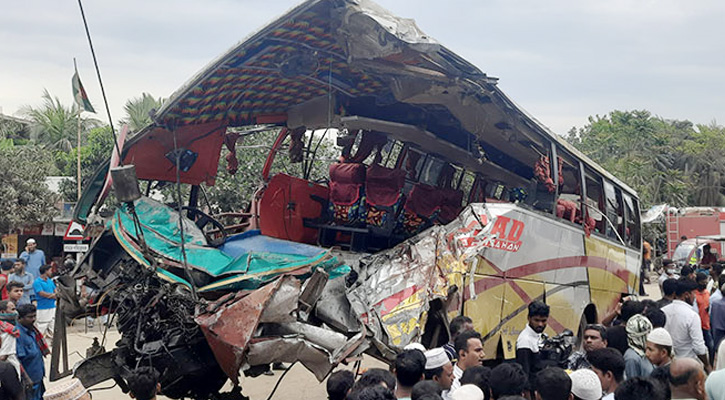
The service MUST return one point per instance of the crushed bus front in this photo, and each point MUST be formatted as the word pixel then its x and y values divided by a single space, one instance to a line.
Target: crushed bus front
pixel 445 198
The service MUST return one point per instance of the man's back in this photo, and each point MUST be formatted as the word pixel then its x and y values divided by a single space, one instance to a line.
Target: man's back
pixel 683 324
pixel 717 319
pixel 10 387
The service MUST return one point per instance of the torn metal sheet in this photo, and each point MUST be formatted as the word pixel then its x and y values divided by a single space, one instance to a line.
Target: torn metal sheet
pixel 312 290
pixel 395 287
pixel 283 302
pixel 334 308
pixel 265 351
pixel 322 337
pixel 367 23
pixel 229 329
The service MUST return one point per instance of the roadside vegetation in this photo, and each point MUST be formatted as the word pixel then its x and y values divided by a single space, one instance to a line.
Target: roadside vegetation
pixel 666 161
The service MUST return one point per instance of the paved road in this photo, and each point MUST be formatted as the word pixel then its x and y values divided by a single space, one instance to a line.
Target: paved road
pixel 298 383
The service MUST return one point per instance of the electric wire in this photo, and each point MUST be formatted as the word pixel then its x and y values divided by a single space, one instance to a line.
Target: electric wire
pixel 187 272
pixel 100 82
pixel 274 389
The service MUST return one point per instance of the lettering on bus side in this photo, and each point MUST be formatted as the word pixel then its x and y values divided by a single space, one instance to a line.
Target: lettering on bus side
pixel 505 235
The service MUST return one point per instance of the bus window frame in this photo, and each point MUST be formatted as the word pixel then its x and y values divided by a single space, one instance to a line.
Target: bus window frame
pixel 612 225
pixel 554 168
pixel 632 201
pixel 595 177
pixel 576 165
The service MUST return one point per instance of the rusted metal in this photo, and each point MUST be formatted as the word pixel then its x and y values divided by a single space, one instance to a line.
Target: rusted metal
pixel 230 328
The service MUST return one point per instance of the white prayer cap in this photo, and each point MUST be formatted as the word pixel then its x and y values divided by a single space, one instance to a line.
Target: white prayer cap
pixel 467 392
pixel 435 358
pixel 585 384
pixel 415 346
pixel 660 336
pixel 69 390
pixel 30 241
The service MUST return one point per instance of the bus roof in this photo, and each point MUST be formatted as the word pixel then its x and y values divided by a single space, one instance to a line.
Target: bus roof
pixel 325 60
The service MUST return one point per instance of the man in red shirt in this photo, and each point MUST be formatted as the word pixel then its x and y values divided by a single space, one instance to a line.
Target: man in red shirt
pixel 702 297
pixel 5 269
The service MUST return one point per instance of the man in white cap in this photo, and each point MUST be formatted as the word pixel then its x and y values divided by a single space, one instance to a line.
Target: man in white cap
pixel 438 368
pixel 659 347
pixel 468 392
pixel 414 346
pixel 585 385
pixel 68 390
pixel 34 258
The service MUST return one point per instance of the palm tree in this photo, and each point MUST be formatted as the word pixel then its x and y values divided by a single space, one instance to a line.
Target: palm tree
pixel 54 125
pixel 139 111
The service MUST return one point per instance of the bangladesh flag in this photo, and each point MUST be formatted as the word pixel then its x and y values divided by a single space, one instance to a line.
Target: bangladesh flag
pixel 79 94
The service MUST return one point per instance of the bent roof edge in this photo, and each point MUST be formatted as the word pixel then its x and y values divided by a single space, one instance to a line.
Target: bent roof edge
pixel 373 10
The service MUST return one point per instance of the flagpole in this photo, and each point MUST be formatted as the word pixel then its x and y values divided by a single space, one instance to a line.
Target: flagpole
pixel 78 148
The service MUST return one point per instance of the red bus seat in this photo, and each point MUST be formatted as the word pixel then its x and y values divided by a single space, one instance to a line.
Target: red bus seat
pixel 346 193
pixel 286 203
pixel 383 197
pixel 450 205
pixel 420 209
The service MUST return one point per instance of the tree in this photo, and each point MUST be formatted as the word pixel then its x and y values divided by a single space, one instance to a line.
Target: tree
pixel 666 161
pixel 96 150
pixel 234 192
pixel 704 153
pixel 642 150
pixel 54 125
pixel 138 111
pixel 26 198
pixel 13 131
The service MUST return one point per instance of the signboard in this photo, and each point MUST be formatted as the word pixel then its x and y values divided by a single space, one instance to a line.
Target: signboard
pixel 74 231
pixel 10 246
pixel 48 229
pixel 59 229
pixel 33 230
pixel 74 248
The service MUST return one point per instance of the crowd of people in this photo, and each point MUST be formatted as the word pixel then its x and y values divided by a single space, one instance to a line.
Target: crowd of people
pixel 665 349
pixel 671 348
pixel 27 314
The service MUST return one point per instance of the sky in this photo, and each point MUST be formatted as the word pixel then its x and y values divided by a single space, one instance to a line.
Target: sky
pixel 561 60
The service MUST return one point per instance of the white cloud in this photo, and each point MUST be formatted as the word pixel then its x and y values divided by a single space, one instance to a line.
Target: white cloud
pixel 562 60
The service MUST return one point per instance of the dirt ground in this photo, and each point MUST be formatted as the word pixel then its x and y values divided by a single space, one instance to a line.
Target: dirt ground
pixel 298 383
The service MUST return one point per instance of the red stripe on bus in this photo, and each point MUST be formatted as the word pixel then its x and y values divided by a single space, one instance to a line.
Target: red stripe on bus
pixel 491 281
pixel 570 262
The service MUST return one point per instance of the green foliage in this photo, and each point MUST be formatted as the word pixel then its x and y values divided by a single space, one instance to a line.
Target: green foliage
pixel 234 192
pixel 665 161
pixel 26 198
pixel 138 111
pixel 96 150
pixel 54 125
pixel 13 131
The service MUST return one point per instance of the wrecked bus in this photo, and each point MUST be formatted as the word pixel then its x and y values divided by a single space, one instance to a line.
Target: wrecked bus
pixel 446 199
